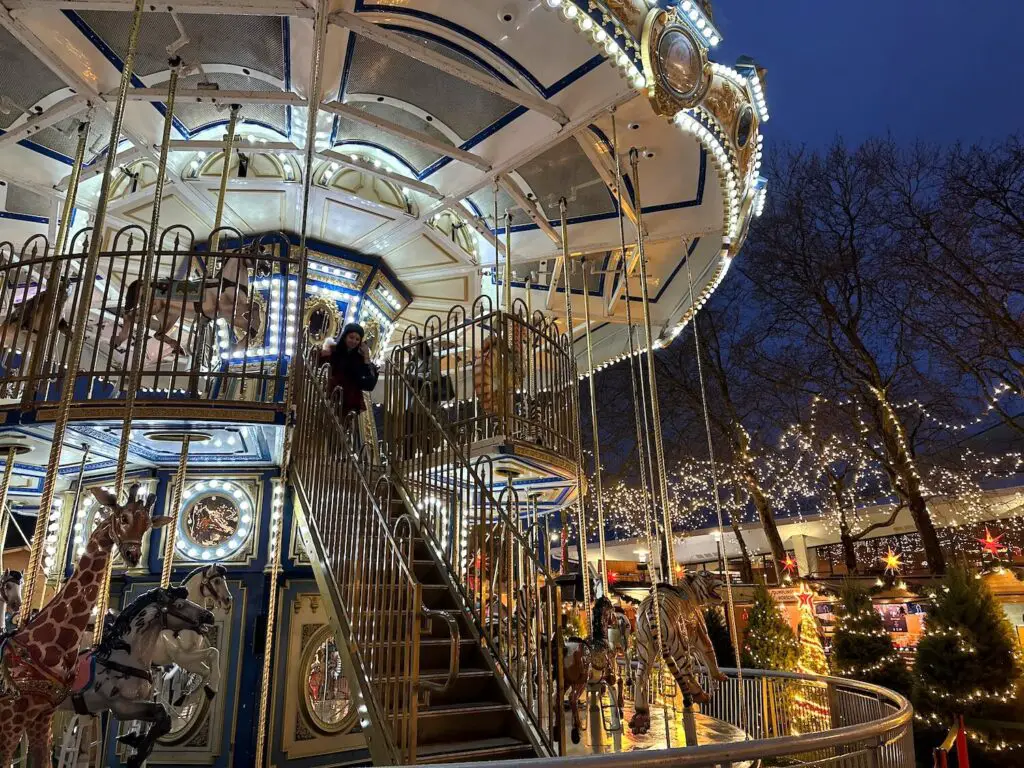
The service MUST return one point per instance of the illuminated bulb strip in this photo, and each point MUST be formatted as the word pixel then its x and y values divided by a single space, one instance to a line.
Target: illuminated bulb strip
pixel 345 274
pixel 52 531
pixel 389 297
pixel 726 172
pixel 694 16
pixel 759 100
pixel 762 195
pixel 276 518
pixel 603 29
pixel 730 74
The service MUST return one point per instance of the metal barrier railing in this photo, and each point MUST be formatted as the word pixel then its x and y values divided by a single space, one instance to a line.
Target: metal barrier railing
pixel 491 562
pixel 854 725
pixel 493 374
pixel 362 568
pixel 217 325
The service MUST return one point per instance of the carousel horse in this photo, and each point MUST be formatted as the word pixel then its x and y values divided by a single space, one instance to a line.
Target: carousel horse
pixel 225 295
pixel 10 596
pixel 28 315
pixel 188 651
pixel 39 662
pixel 684 638
pixel 583 657
pixel 117 676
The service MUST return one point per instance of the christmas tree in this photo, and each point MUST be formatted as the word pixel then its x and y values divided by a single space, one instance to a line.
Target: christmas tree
pixel 718 631
pixel 809 707
pixel 968 665
pixel 861 648
pixel 768 642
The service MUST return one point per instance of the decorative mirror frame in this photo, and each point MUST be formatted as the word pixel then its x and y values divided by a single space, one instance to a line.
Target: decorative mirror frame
pixel 350 720
pixel 665 100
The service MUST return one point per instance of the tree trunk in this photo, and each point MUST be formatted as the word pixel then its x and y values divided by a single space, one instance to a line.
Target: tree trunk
pixel 746 567
pixel 925 527
pixel 849 553
pixel 767 518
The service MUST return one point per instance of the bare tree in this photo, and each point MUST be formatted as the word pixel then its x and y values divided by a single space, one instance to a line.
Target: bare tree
pixel 824 264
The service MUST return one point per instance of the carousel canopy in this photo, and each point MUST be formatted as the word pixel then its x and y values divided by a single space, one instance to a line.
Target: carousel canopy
pixel 434 114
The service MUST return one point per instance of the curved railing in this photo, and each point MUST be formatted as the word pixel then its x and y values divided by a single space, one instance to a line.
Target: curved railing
pixel 792 719
pixel 218 326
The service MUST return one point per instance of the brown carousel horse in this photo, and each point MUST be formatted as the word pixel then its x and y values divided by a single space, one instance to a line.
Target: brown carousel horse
pixel 584 658
pixel 39 662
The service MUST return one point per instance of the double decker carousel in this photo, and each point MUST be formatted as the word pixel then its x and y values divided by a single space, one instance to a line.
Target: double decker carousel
pixel 507 197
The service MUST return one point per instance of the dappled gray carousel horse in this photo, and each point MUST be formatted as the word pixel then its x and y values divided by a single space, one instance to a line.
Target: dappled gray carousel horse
pixel 684 638
pixel 189 652
pixel 117 676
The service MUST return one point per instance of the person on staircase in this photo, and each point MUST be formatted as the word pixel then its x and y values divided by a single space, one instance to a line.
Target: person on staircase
pixel 424 372
pixel 351 369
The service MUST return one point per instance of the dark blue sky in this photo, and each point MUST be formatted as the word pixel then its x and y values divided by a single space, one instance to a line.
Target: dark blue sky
pixel 939 70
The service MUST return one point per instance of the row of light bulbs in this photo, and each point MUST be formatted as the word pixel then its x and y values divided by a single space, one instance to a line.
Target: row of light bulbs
pixel 592 22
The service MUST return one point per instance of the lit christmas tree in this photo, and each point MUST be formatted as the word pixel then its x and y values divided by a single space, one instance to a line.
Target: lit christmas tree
pixel 861 648
pixel 809 707
pixel 769 642
pixel 968 666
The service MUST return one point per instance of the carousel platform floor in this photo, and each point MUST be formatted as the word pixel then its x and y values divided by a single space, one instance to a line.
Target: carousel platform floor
pixel 682 729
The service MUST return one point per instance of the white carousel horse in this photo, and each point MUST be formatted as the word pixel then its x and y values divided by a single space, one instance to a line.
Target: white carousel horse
pixel 10 595
pixel 117 676
pixel 684 638
pixel 225 295
pixel 188 651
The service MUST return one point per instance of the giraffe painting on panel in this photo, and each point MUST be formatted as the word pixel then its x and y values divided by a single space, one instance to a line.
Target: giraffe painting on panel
pixel 39 661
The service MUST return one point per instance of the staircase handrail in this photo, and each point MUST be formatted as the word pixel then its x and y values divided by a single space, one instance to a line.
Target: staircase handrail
pixel 395 740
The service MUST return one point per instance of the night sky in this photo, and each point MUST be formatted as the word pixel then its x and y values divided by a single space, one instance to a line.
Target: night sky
pixel 942 70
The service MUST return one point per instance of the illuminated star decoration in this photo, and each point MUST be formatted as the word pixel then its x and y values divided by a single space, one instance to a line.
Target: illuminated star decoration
pixel 789 564
pixel 806 599
pixel 893 562
pixel 992 545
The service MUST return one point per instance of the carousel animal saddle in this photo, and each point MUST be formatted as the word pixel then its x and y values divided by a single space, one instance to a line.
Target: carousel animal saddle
pixel 184 290
pixel 20 673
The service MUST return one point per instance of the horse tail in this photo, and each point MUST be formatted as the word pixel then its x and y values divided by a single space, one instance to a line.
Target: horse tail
pixel 131 296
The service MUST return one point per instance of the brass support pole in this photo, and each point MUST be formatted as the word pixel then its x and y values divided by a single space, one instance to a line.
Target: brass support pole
pixel 225 172
pixel 171 530
pixel 4 514
pixel 78 327
pixel 53 278
pixel 507 278
pixel 598 482
pixel 497 248
pixel 315 96
pixel 659 447
pixel 581 507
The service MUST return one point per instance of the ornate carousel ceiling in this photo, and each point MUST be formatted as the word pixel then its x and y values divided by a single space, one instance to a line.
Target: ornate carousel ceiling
pixel 426 103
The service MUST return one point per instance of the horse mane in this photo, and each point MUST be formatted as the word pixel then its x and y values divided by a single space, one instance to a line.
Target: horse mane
pixel 596 635
pixel 120 626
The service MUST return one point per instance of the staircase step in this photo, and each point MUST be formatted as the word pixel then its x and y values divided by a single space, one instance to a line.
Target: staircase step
pixel 470 685
pixel 501 748
pixel 442 723
pixel 435 653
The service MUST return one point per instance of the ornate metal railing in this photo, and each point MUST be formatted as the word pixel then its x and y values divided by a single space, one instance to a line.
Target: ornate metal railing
pixel 489 558
pixel 216 326
pixel 361 568
pixel 790 719
pixel 508 375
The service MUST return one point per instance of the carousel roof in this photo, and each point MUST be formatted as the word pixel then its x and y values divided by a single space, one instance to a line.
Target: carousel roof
pixel 426 103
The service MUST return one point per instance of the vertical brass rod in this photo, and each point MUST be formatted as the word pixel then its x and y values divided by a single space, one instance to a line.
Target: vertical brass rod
pixel 79 326
pixel 497 246
pixel 225 173
pixel 53 278
pixel 598 481
pixel 581 511
pixel 315 95
pixel 730 603
pixel 652 382
pixel 507 277
pixel 171 529
pixel 4 514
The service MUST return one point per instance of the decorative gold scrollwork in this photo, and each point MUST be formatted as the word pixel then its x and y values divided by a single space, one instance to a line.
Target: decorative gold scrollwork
pixel 676 64
pixel 322 319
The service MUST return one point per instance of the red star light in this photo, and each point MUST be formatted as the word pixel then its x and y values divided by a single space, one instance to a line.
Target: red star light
pixel 789 564
pixel 806 600
pixel 992 545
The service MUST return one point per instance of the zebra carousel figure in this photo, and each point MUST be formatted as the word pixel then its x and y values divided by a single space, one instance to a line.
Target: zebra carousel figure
pixel 685 641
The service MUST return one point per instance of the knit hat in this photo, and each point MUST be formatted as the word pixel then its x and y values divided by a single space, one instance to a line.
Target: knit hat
pixel 353 328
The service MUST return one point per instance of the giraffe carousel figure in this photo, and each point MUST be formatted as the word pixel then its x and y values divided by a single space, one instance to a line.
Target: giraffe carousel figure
pixel 39 662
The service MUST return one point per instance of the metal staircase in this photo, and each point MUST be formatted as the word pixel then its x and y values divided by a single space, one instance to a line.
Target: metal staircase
pixel 433 683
